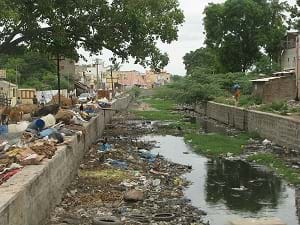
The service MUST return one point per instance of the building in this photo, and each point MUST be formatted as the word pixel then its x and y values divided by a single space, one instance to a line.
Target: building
pixel 281 86
pixel 124 79
pixel 91 75
pixel 79 72
pixel 67 67
pixel 157 78
pixel 97 76
pixel 129 79
pixel 289 53
pixel 9 90
pixel 26 95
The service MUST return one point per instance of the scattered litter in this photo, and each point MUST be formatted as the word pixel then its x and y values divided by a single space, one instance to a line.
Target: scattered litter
pixel 241 188
pixel 118 163
pixel 266 142
pixel 134 196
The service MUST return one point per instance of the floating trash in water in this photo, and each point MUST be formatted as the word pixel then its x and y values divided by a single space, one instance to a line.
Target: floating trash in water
pixel 241 188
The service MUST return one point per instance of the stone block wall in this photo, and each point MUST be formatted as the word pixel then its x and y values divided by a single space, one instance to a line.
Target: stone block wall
pixel 282 130
pixel 233 116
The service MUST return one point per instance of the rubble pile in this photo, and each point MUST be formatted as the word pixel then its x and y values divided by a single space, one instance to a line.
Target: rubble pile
pixel 29 143
pixel 289 155
pixel 121 181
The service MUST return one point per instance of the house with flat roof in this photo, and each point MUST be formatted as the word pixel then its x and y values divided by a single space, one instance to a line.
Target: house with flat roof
pixel 9 90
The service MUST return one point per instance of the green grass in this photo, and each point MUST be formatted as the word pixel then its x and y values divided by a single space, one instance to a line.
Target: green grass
pixel 278 165
pixel 217 144
pixel 227 100
pixel 214 145
pixel 249 100
pixel 275 107
pixel 245 100
pixel 160 104
pixel 163 110
pixel 158 115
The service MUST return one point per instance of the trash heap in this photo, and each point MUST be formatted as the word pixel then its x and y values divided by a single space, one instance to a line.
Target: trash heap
pixel 30 142
pixel 120 181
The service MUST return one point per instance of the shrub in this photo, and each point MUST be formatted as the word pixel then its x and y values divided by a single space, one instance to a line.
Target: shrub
pixel 275 107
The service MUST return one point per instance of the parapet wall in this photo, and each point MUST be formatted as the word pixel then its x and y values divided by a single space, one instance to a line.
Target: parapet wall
pixel 282 130
pixel 30 195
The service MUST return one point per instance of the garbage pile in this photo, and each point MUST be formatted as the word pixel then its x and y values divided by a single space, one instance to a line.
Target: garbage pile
pixel 121 181
pixel 29 142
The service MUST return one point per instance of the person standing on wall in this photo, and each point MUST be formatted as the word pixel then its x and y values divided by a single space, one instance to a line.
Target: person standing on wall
pixel 237 93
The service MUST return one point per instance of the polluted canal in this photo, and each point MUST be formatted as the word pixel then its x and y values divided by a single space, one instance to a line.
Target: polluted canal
pixel 136 175
pixel 216 186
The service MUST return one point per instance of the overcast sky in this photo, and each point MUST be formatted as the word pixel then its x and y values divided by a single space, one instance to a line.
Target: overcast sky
pixel 190 38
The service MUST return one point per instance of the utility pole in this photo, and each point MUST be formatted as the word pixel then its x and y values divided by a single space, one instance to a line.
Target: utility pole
pixel 112 80
pixel 101 79
pixel 297 68
pixel 58 79
pixel 17 76
pixel 68 81
pixel 58 58
pixel 97 68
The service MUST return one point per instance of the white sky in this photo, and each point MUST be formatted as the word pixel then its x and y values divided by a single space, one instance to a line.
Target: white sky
pixel 191 37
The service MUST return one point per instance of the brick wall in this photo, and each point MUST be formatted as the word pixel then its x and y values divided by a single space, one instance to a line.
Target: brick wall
pixel 279 89
pixel 282 130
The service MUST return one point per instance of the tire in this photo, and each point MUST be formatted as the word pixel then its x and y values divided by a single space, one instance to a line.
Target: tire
pixel 106 221
pixel 164 217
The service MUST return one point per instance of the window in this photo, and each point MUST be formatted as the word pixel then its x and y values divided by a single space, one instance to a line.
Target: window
pixel 14 92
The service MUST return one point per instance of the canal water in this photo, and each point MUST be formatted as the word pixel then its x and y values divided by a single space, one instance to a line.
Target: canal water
pixel 228 190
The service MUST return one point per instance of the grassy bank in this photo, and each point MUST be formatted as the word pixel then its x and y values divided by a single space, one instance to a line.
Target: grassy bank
pixel 160 109
pixel 212 144
pixel 209 144
pixel 278 165
pixel 217 144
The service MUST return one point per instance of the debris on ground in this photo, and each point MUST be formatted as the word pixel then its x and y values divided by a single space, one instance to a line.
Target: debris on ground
pixel 28 143
pixel 121 180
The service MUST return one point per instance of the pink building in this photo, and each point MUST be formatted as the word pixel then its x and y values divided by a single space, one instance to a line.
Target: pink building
pixel 132 78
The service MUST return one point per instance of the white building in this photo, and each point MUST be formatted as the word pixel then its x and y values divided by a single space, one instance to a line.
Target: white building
pixel 289 54
pixel 9 90
pixel 92 74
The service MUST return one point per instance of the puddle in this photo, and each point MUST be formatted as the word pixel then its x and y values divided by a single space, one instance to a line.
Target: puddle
pixel 228 190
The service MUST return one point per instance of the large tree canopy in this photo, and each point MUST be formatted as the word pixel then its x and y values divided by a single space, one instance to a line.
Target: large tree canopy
pixel 33 70
pixel 202 58
pixel 126 27
pixel 240 29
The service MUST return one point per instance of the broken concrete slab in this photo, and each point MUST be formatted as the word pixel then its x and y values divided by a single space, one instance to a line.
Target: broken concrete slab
pixel 261 221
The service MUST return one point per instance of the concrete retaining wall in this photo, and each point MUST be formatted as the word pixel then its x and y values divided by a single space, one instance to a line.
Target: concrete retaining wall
pixel 282 130
pixel 29 196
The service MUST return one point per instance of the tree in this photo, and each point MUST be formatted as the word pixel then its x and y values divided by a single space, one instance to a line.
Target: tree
pixel 32 70
pixel 239 29
pixel 126 27
pixel 277 15
pixel 204 58
pixel 265 66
